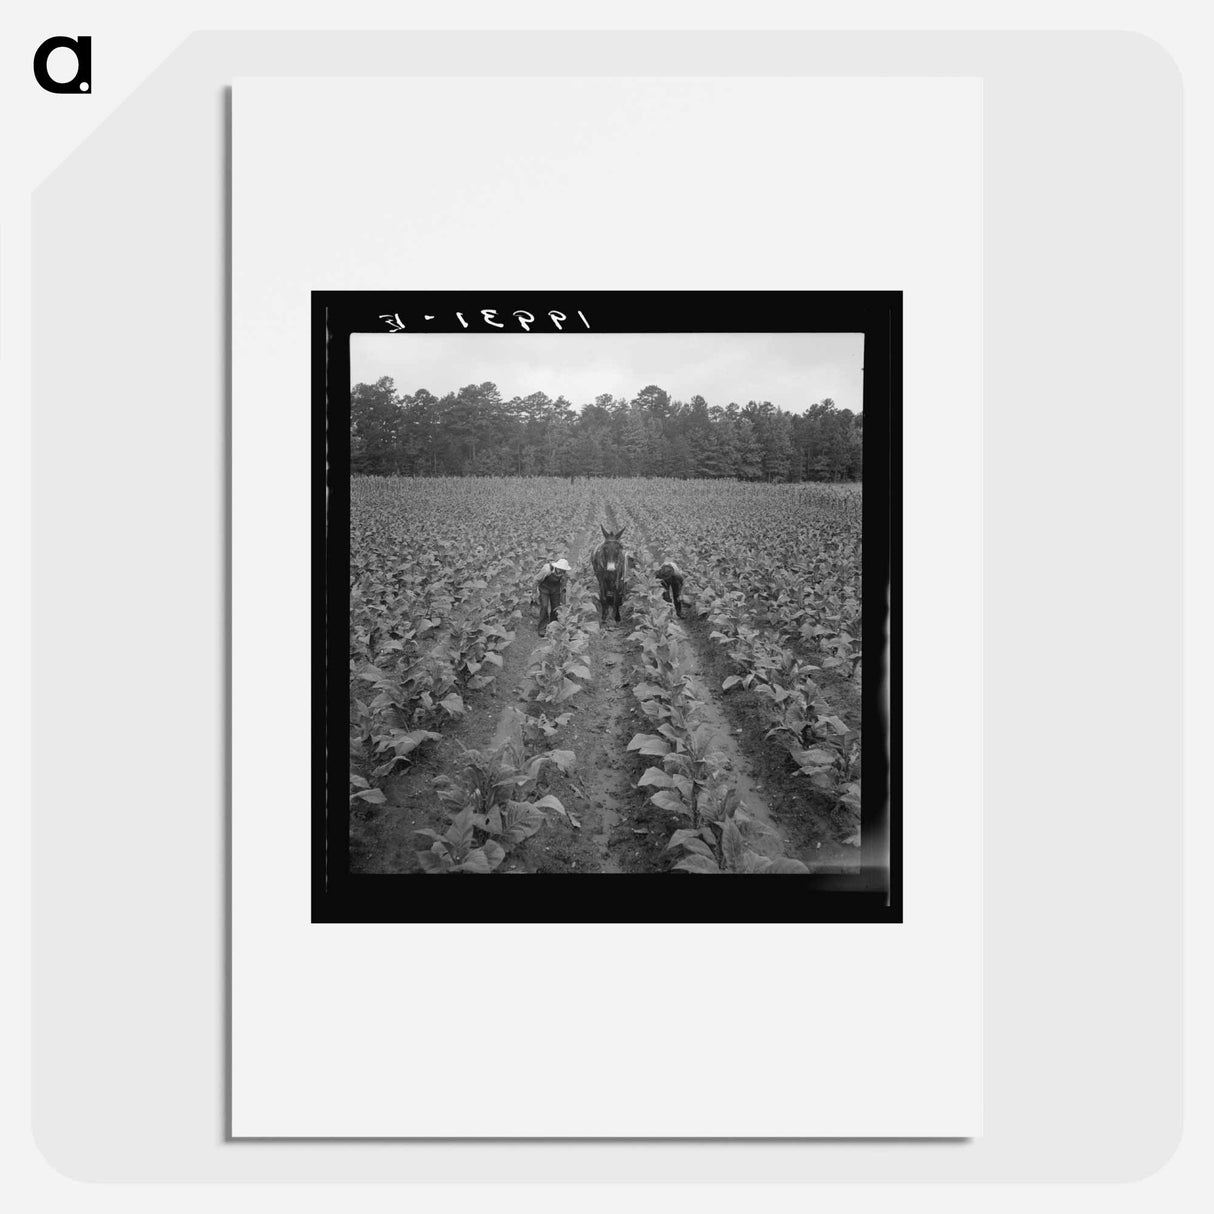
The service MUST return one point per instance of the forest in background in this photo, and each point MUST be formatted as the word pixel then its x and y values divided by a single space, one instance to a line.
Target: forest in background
pixel 476 432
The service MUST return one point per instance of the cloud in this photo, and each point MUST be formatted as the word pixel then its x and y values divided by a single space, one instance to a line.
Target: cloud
pixel 792 370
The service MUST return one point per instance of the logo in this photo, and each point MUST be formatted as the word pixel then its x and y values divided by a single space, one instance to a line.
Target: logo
pixel 82 48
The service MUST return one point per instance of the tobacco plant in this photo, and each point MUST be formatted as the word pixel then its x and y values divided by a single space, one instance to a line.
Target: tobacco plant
pixel 491 807
pixel 721 843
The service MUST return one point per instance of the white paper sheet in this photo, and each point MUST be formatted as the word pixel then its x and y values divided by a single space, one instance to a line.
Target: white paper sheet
pixel 506 1031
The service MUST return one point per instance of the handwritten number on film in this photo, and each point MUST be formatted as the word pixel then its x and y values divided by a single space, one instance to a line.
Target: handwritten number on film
pixel 488 317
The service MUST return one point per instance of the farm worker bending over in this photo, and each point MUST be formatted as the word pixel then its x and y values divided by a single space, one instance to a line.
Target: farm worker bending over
pixel 671 577
pixel 552 589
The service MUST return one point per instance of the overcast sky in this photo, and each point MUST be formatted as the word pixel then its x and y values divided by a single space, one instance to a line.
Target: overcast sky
pixel 792 370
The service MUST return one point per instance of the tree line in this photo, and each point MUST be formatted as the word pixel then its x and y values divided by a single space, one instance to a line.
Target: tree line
pixel 476 432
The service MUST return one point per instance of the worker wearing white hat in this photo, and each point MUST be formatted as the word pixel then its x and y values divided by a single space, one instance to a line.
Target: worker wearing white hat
pixel 552 585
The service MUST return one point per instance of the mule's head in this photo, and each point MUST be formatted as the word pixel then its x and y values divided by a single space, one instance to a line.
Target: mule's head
pixel 613 550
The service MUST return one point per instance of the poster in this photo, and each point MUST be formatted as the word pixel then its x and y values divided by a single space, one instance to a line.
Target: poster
pixel 357 242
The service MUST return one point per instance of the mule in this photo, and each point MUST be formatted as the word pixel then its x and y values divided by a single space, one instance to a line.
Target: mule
pixel 610 565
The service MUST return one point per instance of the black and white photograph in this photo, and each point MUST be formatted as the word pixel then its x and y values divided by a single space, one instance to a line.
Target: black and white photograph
pixel 606 597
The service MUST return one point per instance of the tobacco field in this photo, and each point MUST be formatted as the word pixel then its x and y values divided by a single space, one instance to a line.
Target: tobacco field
pixel 727 741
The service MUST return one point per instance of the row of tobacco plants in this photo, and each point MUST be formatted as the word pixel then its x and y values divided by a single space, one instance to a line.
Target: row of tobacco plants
pixel 782 595
pixel 498 799
pixel 795 553
pixel 439 576
pixel 690 777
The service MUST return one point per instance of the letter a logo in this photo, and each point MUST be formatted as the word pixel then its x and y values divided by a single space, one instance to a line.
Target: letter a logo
pixel 82 48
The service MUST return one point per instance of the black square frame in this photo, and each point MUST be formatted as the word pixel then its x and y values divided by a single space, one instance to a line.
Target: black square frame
pixel 872 895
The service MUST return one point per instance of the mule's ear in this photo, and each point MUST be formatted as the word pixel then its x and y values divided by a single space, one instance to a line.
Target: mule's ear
pixel 606 533
pixel 621 531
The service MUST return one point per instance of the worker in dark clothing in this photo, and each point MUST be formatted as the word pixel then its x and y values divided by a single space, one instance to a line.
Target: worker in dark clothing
pixel 671 577
pixel 552 586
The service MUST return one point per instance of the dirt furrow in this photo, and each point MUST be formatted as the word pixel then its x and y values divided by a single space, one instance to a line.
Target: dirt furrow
pixel 750 790
pixel 597 789
pixel 768 793
pixel 616 833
